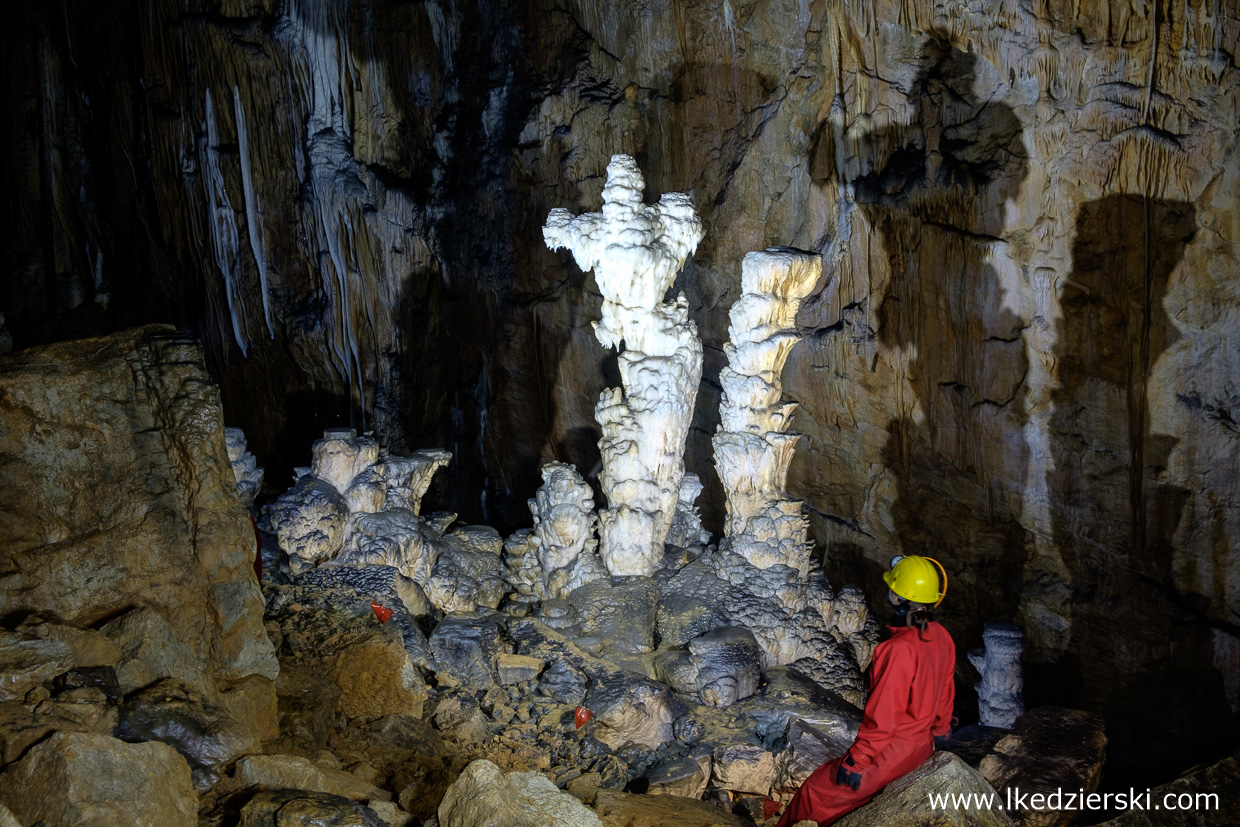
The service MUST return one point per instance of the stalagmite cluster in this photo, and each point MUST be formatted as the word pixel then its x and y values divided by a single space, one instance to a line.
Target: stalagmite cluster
pixel 357 502
pixel 635 250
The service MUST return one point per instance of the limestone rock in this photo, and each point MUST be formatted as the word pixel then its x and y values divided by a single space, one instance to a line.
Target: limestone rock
pixel 145 426
pixel 299 808
pixel 1048 749
pixel 23 724
pixel 560 553
pixel 807 749
pixel 26 663
pixel 310 521
pixel 1198 799
pixel 486 797
pixel 377 677
pixel 517 668
pixel 905 802
pixel 727 661
pixel 175 713
pixel 392 537
pixel 89 648
pixel 746 768
pixel 341 455
pixel 151 652
pixel 77 778
pixel 681 777
pixel 618 613
pixel 687 530
pixel 391 814
pixel 617 809
pixel 467 575
pixel 633 709
pixel 563 681
pixel 407 478
pixel 289 772
pixel 1013 201
pixel 349 591
pixel 466 645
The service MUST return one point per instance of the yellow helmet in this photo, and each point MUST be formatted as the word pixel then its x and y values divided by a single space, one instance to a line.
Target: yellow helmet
pixel 914 578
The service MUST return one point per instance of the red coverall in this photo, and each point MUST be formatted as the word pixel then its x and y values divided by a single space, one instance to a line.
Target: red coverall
pixel 911 695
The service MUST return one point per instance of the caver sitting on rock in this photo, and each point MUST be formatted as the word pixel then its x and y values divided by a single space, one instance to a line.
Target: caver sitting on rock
pixel 909 710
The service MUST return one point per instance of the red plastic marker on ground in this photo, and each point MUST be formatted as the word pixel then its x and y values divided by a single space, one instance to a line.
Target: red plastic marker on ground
pixel 769 808
pixel 582 716
pixel 382 612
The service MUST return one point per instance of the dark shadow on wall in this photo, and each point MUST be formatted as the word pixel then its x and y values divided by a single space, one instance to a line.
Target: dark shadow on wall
pixel 934 189
pixel 1132 650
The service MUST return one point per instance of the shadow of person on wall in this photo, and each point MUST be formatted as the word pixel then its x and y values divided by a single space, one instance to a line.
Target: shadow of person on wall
pixel 934 188
pixel 1144 657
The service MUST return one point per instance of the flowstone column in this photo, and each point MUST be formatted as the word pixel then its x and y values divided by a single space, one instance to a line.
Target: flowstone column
pixel 635 250
pixel 752 448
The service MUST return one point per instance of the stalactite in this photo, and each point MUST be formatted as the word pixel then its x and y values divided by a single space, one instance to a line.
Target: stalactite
pixel 222 223
pixel 252 216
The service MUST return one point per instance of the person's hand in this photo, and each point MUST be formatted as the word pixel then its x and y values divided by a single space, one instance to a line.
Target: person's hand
pixel 942 742
pixel 846 776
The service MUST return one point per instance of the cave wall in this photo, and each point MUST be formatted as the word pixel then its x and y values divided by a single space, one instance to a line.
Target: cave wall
pixel 1023 358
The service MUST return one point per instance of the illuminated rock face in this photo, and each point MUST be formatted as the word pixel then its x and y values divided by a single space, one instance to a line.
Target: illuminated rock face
pixel 635 250
pixel 752 450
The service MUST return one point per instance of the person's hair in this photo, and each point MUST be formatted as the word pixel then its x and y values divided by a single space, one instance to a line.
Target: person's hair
pixel 918 617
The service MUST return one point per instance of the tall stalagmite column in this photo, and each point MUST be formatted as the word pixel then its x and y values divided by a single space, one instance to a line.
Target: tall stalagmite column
pixel 752 450
pixel 635 250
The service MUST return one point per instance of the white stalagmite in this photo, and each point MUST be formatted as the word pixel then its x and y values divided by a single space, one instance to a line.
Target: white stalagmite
pixel 752 450
pixel 635 250
pixel 559 553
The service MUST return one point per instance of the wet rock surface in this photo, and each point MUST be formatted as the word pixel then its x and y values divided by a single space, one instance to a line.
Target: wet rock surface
pixel 1048 749
pixel 298 807
pixel 905 801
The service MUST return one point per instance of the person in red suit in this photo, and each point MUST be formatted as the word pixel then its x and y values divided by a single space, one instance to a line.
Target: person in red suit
pixel 909 712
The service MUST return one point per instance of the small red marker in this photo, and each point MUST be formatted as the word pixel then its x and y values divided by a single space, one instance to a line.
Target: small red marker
pixel 382 612
pixel 582 716
pixel 769 808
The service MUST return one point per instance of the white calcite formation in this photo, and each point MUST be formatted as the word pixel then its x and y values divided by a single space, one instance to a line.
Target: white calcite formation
pixel 687 527
pixel 560 552
pixel 635 250
pixel 752 448
pixel 244 465
pixel 357 506
pixel 999 694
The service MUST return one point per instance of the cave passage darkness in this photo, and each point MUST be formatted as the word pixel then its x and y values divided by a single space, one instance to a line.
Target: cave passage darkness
pixel 1016 361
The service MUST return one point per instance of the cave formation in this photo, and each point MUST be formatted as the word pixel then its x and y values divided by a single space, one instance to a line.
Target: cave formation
pixel 1020 357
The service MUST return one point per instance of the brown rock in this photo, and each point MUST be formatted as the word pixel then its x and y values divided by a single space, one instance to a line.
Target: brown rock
pixel 144 424
pixel 377 678
pixel 76 778
pixel 295 808
pixel 291 772
pixel 1198 799
pixel 1048 749
pixel 618 809
pixel 906 801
